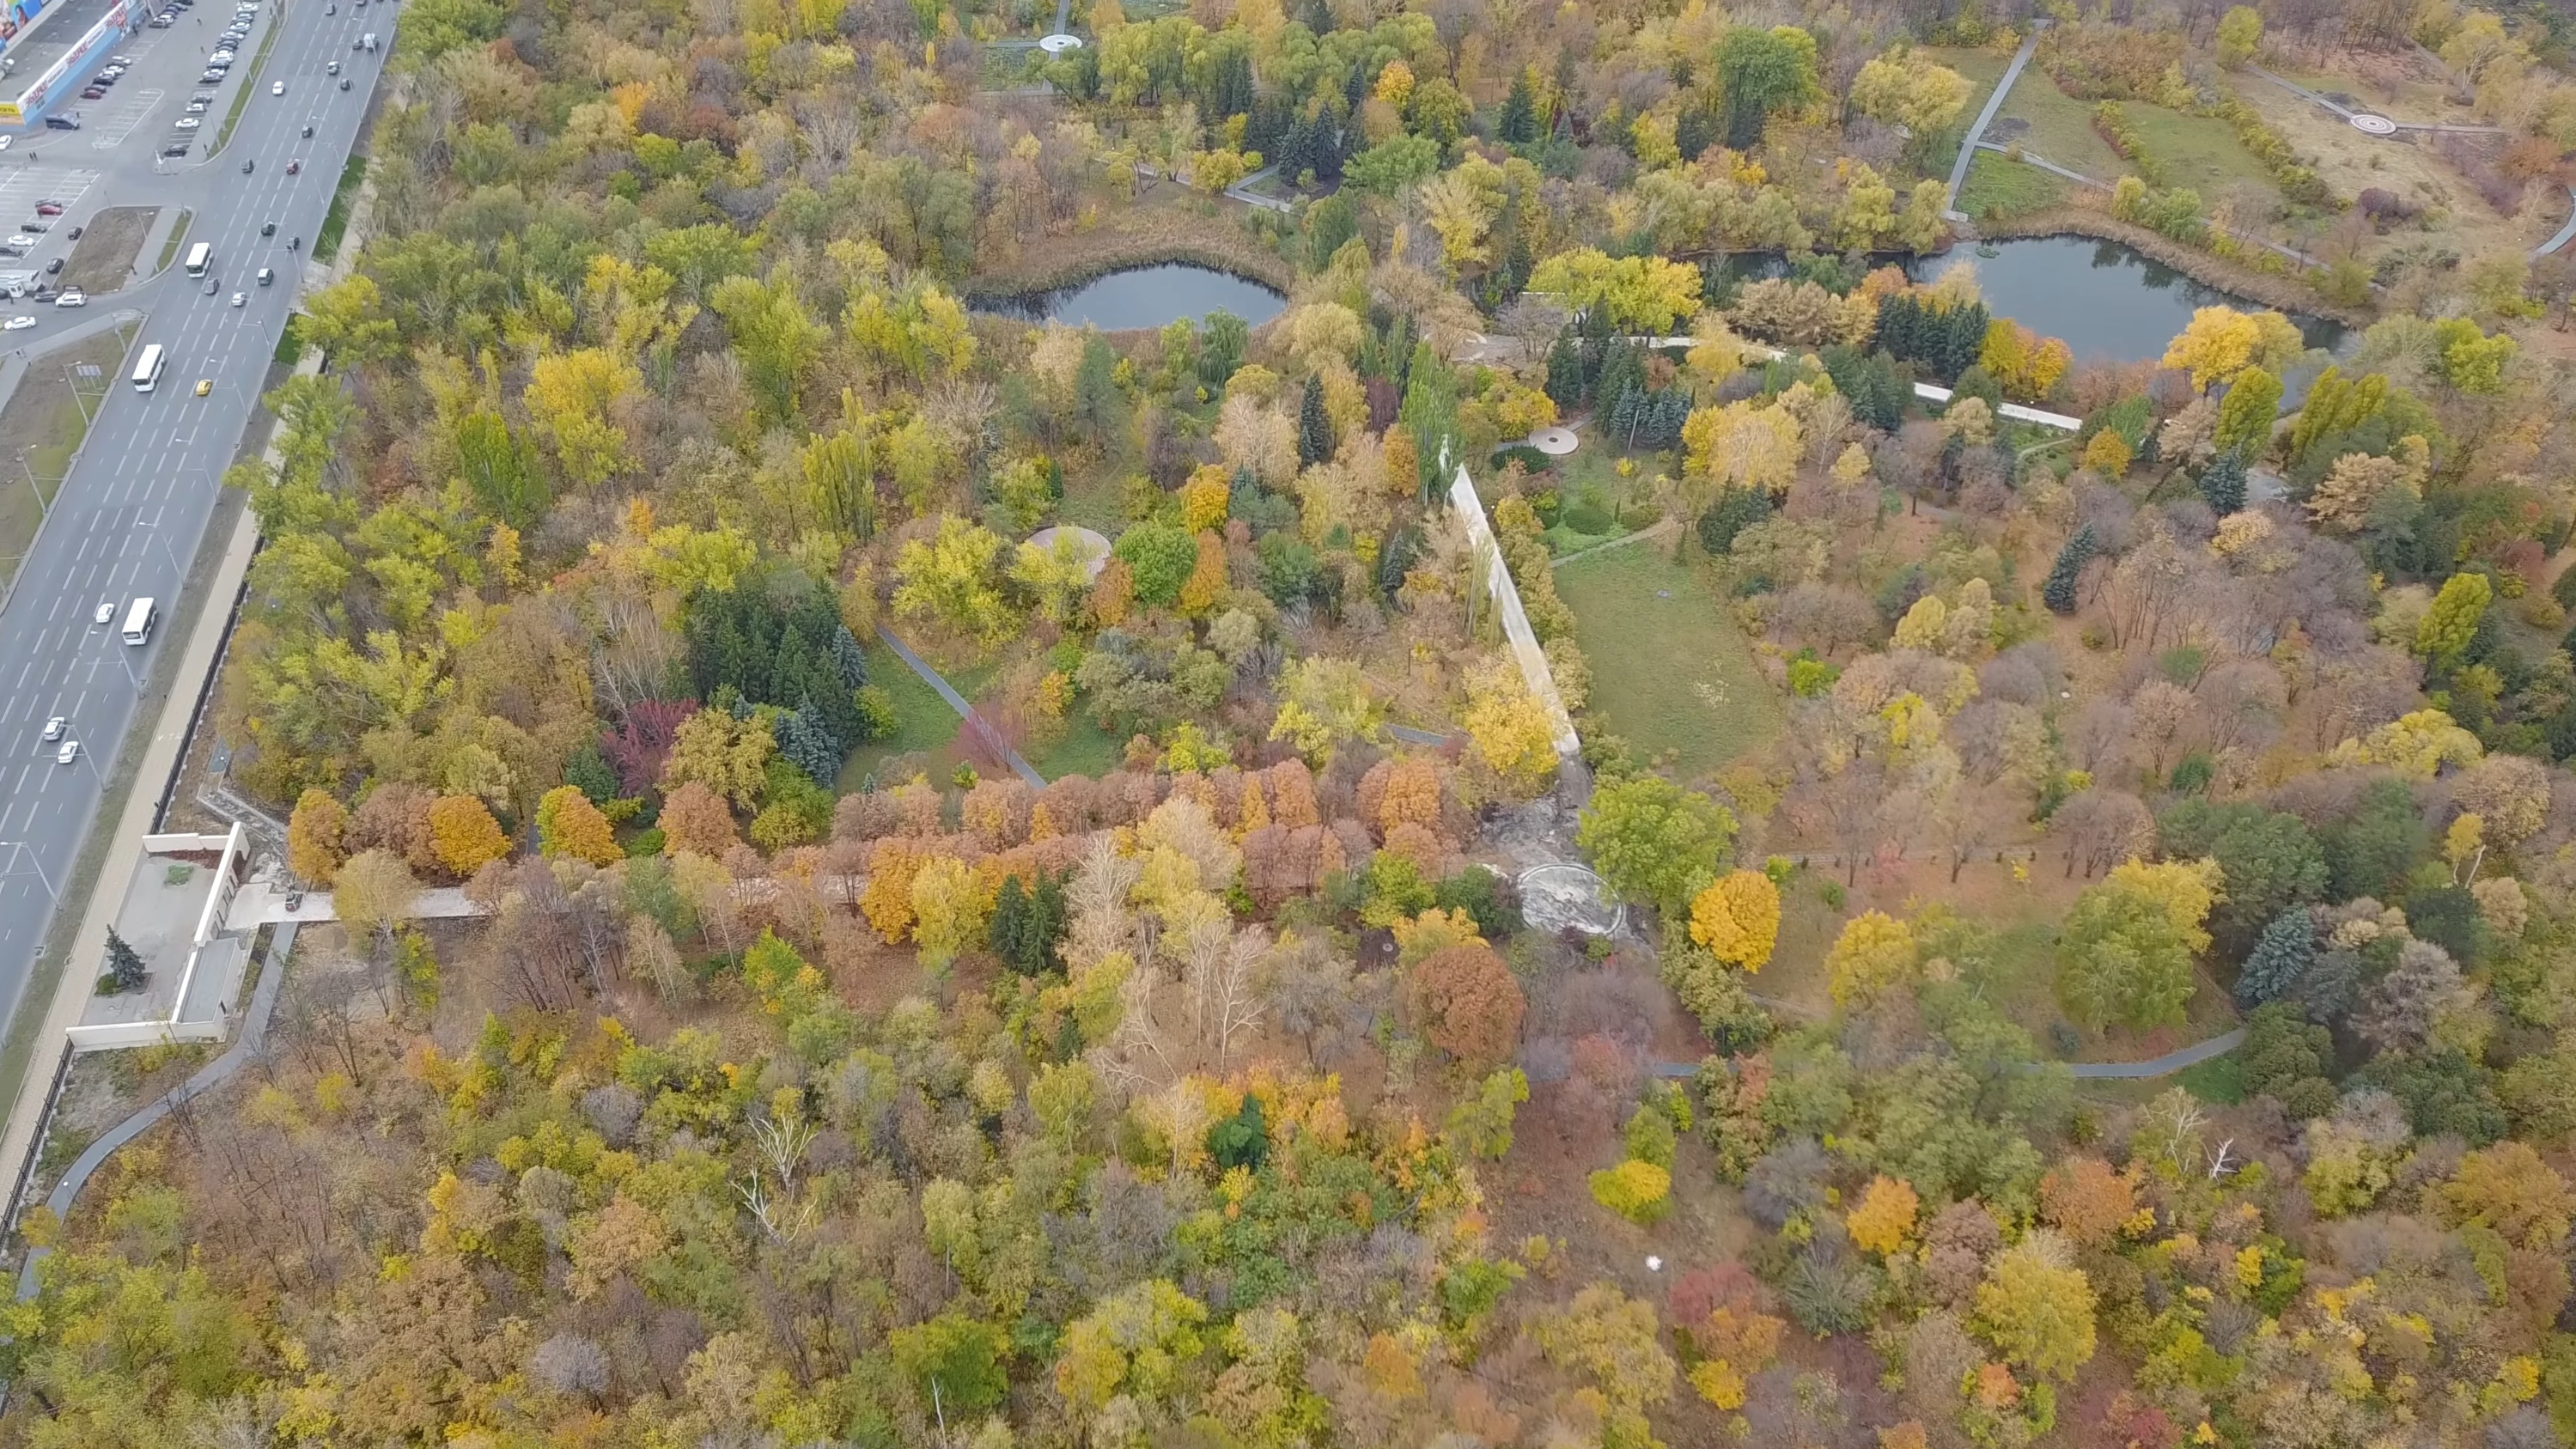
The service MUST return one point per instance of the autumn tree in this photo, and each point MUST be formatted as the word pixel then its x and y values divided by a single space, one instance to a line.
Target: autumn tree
pixel 1907 88
pixel 2086 1200
pixel 374 891
pixel 1467 1003
pixel 2221 343
pixel 569 826
pixel 1874 954
pixel 317 837
pixel 2126 950
pixel 1653 842
pixel 949 907
pixel 464 834
pixel 696 819
pixel 1738 918
pixel 951 579
pixel 1511 731
pixel 1885 1217
pixel 2036 1308
pixel 2451 623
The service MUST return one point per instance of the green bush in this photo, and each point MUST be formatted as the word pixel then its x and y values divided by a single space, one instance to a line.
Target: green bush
pixel 1650 1138
pixel 1636 1190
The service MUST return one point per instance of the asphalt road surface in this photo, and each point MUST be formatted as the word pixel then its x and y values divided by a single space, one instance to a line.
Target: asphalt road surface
pixel 137 502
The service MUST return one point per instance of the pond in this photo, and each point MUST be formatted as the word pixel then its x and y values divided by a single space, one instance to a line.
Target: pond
pixel 1143 297
pixel 2109 303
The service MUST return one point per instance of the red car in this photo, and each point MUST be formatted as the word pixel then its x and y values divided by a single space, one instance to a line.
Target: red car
pixel 49 208
pixel 93 94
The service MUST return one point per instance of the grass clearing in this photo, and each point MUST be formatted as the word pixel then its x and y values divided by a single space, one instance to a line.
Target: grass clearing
pixel 1670 671
pixel 1084 749
pixel 178 239
pixel 2055 125
pixel 103 258
pixel 335 222
pixel 40 430
pixel 2002 187
pixel 2221 1079
pixel 923 721
pixel 2200 152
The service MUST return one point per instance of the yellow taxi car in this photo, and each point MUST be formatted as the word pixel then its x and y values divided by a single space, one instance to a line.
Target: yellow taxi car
pixel 205 385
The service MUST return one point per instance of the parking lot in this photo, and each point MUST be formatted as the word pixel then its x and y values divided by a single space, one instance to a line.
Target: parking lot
pixel 117 117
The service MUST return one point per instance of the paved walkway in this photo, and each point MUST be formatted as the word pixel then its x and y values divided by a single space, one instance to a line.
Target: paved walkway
pixel 1986 117
pixel 2166 1065
pixel 956 701
pixel 254 1034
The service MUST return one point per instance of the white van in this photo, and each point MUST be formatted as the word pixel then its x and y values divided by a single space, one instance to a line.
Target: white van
pixel 138 621
pixel 147 368
pixel 200 256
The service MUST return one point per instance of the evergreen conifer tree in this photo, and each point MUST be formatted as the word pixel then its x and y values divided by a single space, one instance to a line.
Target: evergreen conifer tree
pixel 2059 592
pixel 1519 123
pixel 1314 429
pixel 2287 948
pixel 2223 483
pixel 124 966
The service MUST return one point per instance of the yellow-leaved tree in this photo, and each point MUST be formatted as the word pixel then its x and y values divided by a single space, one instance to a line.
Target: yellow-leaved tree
pixel 569 825
pixel 1874 953
pixel 1738 918
pixel 2221 343
pixel 1885 1217
pixel 1509 728
pixel 463 834
pixel 949 906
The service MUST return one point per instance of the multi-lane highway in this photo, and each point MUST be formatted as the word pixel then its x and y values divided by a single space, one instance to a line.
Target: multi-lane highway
pixel 137 501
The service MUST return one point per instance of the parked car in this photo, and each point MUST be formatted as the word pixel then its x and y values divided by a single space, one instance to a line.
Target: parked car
pixel 75 297
pixel 94 94
pixel 187 123
pixel 62 123
pixel 49 208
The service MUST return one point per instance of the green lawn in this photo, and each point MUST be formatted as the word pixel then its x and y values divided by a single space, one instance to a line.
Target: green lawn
pixel 1670 672
pixel 2200 152
pixel 1086 749
pixel 2061 127
pixel 2221 1079
pixel 2006 187
pixel 1981 69
pixel 923 721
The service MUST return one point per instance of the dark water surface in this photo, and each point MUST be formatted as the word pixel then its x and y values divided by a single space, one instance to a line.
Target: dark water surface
pixel 2108 302
pixel 1143 297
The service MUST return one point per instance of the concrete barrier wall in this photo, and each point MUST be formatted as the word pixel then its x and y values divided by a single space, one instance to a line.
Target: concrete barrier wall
pixel 1516 625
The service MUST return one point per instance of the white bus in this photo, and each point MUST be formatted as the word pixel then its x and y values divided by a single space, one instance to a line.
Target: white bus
pixel 147 368
pixel 200 257
pixel 138 621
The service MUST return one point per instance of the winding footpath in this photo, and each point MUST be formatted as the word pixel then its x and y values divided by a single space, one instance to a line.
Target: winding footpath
pixel 1986 117
pixel 245 1047
pixel 957 702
